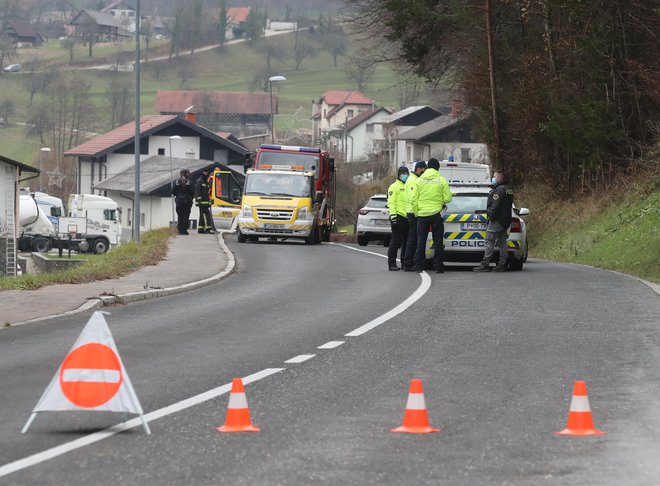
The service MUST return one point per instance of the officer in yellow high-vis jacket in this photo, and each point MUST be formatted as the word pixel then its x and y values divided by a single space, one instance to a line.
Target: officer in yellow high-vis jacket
pixel 397 202
pixel 430 196
pixel 411 245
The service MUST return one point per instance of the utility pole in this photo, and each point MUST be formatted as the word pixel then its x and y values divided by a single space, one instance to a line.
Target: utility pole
pixel 499 163
pixel 136 195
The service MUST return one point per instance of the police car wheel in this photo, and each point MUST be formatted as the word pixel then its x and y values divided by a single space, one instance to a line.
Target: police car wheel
pixel 515 264
pixel 362 240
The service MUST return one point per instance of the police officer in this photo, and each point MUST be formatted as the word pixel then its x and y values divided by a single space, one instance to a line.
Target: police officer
pixel 411 244
pixel 203 202
pixel 500 202
pixel 183 193
pixel 428 199
pixel 397 204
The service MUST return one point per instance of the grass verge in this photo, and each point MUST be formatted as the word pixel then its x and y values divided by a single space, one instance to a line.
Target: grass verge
pixel 616 228
pixel 123 260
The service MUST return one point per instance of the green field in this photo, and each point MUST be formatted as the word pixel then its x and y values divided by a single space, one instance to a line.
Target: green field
pixel 231 69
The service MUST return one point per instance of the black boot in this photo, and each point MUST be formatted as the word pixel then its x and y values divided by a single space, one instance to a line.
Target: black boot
pixel 482 268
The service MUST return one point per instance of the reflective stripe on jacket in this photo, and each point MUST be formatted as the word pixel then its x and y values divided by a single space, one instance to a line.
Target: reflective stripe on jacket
pixel 396 198
pixel 410 187
pixel 431 193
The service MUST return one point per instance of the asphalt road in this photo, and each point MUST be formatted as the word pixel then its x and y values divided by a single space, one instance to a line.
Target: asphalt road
pixel 497 353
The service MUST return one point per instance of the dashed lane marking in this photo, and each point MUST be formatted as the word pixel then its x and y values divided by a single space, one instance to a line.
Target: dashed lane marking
pixel 300 358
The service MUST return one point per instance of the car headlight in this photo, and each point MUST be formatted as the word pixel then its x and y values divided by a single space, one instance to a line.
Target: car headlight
pixel 247 211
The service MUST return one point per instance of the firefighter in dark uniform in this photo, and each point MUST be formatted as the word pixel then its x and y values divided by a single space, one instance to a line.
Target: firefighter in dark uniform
pixel 203 202
pixel 500 202
pixel 183 193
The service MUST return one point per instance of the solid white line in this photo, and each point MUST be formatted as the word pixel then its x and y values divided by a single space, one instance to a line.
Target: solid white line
pixel 418 294
pixel 331 345
pixel 129 424
pixel 300 358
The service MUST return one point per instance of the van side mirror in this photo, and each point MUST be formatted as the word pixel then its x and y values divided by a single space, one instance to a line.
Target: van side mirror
pixel 318 197
pixel 235 195
pixel 331 163
pixel 523 212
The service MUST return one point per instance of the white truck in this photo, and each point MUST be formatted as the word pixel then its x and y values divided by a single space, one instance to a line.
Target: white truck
pixel 37 232
pixel 93 221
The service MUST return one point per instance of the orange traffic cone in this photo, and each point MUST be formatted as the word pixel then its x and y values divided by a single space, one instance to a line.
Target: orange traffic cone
pixel 238 413
pixel 415 418
pixel 580 421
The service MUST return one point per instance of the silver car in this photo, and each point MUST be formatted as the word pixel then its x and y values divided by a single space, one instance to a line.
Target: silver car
pixel 373 221
pixel 465 229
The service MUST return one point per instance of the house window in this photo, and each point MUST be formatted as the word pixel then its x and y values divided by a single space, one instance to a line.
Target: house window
pixel 370 128
pixel 143 219
pixel 129 218
pixel 350 113
pixel 161 151
pixel 465 155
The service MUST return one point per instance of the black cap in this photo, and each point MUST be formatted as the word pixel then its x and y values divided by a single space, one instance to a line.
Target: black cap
pixel 402 170
pixel 420 164
pixel 433 163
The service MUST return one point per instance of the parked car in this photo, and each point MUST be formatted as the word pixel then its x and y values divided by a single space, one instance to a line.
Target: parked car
pixel 465 229
pixel 373 221
pixel 14 68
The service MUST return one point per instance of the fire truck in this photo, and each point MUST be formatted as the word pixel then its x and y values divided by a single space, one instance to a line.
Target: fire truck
pixel 307 159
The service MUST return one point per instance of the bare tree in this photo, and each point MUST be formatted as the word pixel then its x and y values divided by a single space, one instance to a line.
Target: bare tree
pixel 119 99
pixel 38 82
pixel 7 52
pixel 39 122
pixel 7 109
pixel 302 51
pixel 359 70
pixel 69 44
pixel 272 49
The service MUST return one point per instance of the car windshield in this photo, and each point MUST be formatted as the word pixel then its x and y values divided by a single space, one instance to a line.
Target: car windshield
pixel 377 202
pixel 467 203
pixel 270 184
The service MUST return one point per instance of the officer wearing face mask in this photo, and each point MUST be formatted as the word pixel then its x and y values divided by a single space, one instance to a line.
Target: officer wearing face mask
pixel 397 202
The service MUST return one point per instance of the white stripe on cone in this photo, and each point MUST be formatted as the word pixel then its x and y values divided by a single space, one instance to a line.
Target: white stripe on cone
pixel 91 375
pixel 416 401
pixel 237 400
pixel 580 404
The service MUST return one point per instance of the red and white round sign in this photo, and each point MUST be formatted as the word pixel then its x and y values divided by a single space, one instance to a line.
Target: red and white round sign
pixel 91 375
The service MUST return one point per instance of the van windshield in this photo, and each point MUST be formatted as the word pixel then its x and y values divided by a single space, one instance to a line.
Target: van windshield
pixel 271 184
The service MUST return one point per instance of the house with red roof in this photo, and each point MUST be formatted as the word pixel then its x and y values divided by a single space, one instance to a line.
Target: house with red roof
pixel 21 34
pixel 335 107
pixel 244 114
pixel 168 143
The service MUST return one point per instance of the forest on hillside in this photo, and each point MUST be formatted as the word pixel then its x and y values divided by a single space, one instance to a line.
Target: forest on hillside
pixel 575 92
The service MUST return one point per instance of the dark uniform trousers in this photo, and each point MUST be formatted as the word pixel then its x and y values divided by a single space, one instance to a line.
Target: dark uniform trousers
pixel 437 225
pixel 399 240
pixel 411 244
pixel 183 207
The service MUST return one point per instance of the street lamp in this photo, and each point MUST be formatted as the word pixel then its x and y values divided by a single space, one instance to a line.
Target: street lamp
pixel 173 137
pixel 41 165
pixel 271 80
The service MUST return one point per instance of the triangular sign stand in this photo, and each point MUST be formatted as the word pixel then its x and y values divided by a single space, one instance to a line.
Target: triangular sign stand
pixel 91 377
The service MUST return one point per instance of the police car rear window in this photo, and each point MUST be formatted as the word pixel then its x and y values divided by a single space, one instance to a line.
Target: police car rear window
pixel 467 203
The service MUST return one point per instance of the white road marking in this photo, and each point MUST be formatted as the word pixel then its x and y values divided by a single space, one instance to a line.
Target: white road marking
pixel 418 294
pixel 331 345
pixel 300 358
pixel 129 424
pixel 414 297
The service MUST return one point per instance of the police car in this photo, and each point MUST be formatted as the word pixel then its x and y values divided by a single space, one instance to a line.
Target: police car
pixel 465 224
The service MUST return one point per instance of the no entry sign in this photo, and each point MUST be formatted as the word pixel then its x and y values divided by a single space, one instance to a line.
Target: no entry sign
pixel 91 375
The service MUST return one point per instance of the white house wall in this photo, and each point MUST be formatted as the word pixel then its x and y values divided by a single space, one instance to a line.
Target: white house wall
pixel 157 212
pixel 407 150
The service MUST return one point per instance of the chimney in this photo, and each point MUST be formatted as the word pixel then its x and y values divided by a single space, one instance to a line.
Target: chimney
pixel 190 114
pixel 456 108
